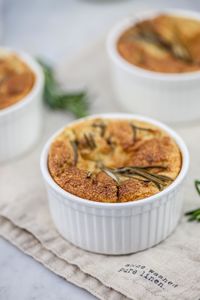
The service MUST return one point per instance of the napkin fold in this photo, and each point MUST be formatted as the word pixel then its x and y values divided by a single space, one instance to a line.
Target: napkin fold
pixel 167 271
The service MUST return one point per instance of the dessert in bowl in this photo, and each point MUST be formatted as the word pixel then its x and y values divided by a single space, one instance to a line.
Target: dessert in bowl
pixel 113 161
pixel 115 181
pixel 16 78
pixel 165 43
pixel 155 64
pixel 21 87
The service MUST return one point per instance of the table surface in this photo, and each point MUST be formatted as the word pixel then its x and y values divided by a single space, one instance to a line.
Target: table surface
pixel 56 30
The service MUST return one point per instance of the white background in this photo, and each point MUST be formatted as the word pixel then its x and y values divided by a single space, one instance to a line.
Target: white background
pixel 56 30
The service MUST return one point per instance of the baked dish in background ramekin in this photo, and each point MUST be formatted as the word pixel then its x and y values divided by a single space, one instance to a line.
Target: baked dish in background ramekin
pixel 155 64
pixel 115 182
pixel 21 87
pixel 165 43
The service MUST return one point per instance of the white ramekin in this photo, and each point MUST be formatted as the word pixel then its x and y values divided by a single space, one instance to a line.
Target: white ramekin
pixel 167 97
pixel 20 124
pixel 116 228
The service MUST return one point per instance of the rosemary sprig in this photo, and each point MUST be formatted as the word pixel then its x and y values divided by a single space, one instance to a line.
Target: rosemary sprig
pixel 90 140
pixel 176 49
pixel 136 128
pixel 143 173
pixel 56 98
pixel 194 215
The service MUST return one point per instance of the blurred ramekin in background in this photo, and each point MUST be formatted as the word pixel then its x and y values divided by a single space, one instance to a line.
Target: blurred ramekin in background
pixel 167 97
pixel 116 228
pixel 20 123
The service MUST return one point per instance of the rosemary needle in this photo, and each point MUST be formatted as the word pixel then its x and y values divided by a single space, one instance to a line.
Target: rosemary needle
pixel 75 150
pixel 90 140
pixel 136 128
pixel 194 215
pixel 112 175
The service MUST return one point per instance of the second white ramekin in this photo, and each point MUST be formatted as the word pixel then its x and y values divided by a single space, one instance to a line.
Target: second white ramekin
pixel 167 97
pixel 117 228
pixel 20 124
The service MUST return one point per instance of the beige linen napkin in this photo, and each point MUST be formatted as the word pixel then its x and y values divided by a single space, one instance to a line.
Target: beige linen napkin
pixel 167 271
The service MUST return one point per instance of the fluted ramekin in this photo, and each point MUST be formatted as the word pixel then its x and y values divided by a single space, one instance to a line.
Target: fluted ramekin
pixel 167 97
pixel 116 228
pixel 20 123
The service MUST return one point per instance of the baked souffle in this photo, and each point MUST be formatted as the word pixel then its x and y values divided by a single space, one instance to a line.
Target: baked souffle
pixel 16 79
pixel 113 160
pixel 165 43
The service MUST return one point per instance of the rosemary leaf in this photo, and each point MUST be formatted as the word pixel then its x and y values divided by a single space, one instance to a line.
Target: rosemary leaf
pixel 75 150
pixel 136 128
pixel 111 174
pixel 194 212
pixel 163 177
pixel 137 177
pixel 56 98
pixel 197 186
pixel 151 167
pixel 192 218
pixel 134 133
pixel 194 215
pixel 90 140
pixel 159 183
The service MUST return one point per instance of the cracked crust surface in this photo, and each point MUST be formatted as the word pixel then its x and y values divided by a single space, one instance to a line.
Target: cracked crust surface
pixel 76 165
pixel 16 79
pixel 148 54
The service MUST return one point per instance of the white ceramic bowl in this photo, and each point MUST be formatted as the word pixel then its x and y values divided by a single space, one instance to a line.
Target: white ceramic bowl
pixel 167 97
pixel 20 124
pixel 116 228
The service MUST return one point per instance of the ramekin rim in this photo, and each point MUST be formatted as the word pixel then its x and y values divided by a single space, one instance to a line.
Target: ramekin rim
pixel 85 202
pixel 116 31
pixel 38 84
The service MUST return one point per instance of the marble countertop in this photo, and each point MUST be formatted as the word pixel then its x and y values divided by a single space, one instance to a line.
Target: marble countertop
pixel 56 30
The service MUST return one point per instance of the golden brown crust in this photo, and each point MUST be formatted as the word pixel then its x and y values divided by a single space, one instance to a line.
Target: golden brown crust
pixel 181 34
pixel 16 79
pixel 83 155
